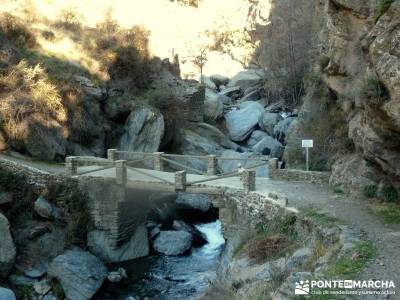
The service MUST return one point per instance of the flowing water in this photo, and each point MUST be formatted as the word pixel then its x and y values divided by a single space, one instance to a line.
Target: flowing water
pixel 172 277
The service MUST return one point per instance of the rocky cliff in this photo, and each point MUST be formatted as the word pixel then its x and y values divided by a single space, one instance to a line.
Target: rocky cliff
pixel 356 91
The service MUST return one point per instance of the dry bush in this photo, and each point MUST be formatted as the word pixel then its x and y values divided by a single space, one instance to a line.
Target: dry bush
pixel 268 247
pixel 28 90
pixel 69 20
pixel 14 29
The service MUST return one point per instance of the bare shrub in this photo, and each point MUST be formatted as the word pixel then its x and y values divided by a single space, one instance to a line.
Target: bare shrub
pixel 15 30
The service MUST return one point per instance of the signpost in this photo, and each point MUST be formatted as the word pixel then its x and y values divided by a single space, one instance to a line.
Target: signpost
pixel 307 144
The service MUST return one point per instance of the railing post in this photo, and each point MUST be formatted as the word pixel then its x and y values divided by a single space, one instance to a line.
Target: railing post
pixel 120 169
pixel 112 154
pixel 72 165
pixel 158 161
pixel 180 180
pixel 249 180
pixel 272 167
pixel 212 165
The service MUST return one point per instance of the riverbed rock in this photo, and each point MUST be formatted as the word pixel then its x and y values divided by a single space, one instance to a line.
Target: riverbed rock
pixel 80 273
pixel 194 201
pixel 7 247
pixel 136 247
pixel 241 123
pixel 247 78
pixel 268 121
pixel 45 209
pixel 117 276
pixel 173 242
pixel 213 108
pixel 143 131
pixel 232 165
pixel 281 129
pixel 7 294
pixel 233 92
pixel 219 79
pixel 199 238
pixel 269 146
pixel 255 137
pixel 42 287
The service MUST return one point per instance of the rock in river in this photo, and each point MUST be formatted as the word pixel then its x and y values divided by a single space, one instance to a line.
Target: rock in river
pixel 173 242
pixel 80 273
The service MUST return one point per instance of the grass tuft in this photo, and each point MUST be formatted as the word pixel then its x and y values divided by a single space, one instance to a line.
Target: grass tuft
pixel 383 7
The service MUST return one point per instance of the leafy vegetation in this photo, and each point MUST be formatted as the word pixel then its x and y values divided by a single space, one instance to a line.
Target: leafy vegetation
pixel 347 267
pixel 370 191
pixel 383 7
pixel 319 217
pixel 389 193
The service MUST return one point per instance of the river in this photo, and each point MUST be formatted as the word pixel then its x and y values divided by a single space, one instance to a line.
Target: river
pixel 171 277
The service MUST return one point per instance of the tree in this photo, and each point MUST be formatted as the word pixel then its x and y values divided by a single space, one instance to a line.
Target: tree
pixel 200 60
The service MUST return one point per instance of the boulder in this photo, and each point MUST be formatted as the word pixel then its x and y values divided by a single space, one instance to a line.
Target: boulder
pixel 137 246
pixel 219 79
pixel 5 198
pixel 208 83
pixel 45 209
pixel 225 99
pixel 7 248
pixel 232 165
pixel 143 131
pixel 199 238
pixel 232 92
pixel 268 121
pixel 203 139
pixel 281 129
pixel 252 96
pixel 117 276
pixel 173 242
pixel 255 137
pixel 7 294
pixel 247 78
pixel 194 201
pixel 241 123
pixel 80 273
pixel 213 108
pixel 42 287
pixel 269 146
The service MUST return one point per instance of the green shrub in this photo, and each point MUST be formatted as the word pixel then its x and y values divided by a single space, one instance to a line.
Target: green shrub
pixel 372 90
pixel 370 191
pixel 383 7
pixel 389 194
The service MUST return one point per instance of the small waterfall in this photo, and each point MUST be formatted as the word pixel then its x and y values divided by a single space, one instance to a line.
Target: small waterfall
pixel 213 232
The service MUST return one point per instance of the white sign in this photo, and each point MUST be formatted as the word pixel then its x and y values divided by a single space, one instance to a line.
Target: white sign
pixel 307 143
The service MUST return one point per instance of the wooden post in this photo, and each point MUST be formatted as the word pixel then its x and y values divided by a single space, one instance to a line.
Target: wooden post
pixel 72 165
pixel 158 161
pixel 212 165
pixel 120 169
pixel 249 180
pixel 180 180
pixel 112 154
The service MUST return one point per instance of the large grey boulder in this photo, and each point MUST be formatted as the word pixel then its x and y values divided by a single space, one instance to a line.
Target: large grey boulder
pixel 247 78
pixel 268 121
pixel 80 273
pixel 173 242
pixel 232 165
pixel 213 108
pixel 7 294
pixel 204 139
pixel 219 79
pixel 199 238
pixel 194 201
pixel 144 130
pixel 137 246
pixel 281 129
pixel 269 146
pixel 45 209
pixel 255 137
pixel 241 123
pixel 7 248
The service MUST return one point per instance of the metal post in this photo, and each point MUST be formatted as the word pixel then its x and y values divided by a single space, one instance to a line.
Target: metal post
pixel 158 161
pixel 112 154
pixel 249 180
pixel 120 169
pixel 72 166
pixel 212 165
pixel 180 180
pixel 307 162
